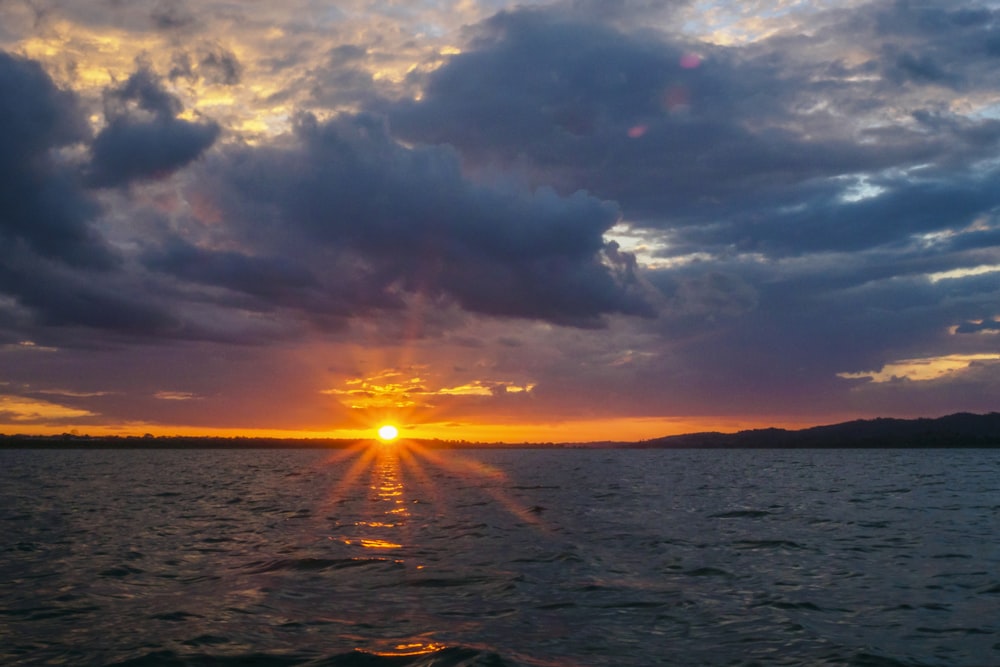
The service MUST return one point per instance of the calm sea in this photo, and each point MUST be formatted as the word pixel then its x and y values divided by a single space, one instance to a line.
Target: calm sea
pixel 392 556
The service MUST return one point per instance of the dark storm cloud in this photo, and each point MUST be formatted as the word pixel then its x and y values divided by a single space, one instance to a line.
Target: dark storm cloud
pixel 58 271
pixel 662 127
pixel 689 133
pixel 905 209
pixel 946 44
pixel 921 69
pixel 55 267
pixel 61 298
pixel 530 77
pixel 145 90
pixel 41 205
pixel 267 283
pixel 412 220
pixel 258 276
pixel 814 235
pixel 143 138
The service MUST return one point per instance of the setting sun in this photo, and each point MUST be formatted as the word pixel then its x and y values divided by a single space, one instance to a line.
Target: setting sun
pixel 388 433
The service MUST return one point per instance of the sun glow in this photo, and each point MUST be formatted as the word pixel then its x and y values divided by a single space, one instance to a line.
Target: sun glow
pixel 388 433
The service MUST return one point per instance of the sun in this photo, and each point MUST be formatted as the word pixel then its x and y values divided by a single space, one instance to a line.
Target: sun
pixel 387 433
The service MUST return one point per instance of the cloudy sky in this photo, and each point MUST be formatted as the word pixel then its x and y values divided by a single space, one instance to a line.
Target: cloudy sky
pixel 581 219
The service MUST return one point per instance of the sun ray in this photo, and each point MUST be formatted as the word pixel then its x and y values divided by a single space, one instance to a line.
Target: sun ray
pixel 464 466
pixel 395 475
pixel 428 487
pixel 364 454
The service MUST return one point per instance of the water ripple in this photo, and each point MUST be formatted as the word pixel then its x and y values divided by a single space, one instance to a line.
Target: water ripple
pixel 548 558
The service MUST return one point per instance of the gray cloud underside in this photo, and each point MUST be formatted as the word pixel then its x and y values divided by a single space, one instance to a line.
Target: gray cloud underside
pixel 780 149
pixel 335 221
pixel 42 209
pixel 760 127
pixel 148 141
pixel 54 263
pixel 408 220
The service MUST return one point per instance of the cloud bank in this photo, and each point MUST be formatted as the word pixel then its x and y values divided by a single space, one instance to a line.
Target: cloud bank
pixel 627 205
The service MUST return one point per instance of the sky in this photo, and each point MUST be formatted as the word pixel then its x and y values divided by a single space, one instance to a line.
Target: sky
pixel 540 221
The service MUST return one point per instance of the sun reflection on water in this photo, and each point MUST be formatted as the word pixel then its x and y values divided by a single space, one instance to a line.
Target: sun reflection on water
pixel 385 491
pixel 392 479
pixel 411 649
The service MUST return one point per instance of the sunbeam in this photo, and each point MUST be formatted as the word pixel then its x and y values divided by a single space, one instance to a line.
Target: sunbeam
pixel 398 476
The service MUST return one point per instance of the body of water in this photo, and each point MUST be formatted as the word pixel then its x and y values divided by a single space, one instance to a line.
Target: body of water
pixel 392 555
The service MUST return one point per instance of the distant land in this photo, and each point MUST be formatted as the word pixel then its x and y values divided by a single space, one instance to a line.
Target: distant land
pixel 960 430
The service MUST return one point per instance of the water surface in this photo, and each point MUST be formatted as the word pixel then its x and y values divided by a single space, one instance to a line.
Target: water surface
pixel 390 556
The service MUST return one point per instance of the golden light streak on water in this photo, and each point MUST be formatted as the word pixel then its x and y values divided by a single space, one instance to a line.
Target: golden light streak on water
pixel 409 649
pixel 453 462
pixel 397 476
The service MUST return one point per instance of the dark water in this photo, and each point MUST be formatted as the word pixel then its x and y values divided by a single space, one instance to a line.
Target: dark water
pixel 525 557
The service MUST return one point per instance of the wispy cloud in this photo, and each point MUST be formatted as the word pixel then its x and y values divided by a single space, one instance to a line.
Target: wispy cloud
pixel 175 396
pixel 21 409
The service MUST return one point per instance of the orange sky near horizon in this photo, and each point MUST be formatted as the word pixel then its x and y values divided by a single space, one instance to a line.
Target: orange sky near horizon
pixel 582 431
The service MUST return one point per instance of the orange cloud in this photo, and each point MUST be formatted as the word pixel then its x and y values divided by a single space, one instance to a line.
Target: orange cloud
pixel 21 409
pixel 927 368
pixel 390 389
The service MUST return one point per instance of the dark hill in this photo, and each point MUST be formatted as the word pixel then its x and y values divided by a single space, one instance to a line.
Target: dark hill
pixel 958 430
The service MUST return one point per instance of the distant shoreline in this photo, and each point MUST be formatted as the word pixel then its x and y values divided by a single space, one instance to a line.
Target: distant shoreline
pixel 960 430
pixel 69 441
